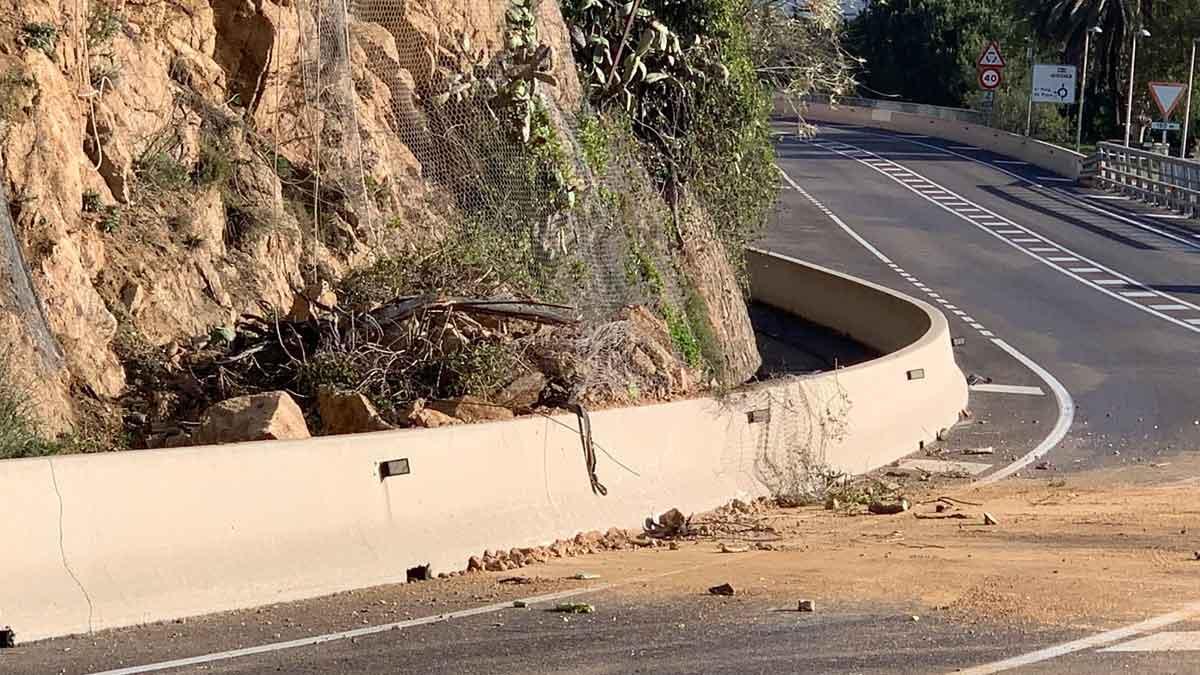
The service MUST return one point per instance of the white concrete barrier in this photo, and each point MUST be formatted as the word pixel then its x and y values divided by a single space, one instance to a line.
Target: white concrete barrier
pixel 1053 158
pixel 100 541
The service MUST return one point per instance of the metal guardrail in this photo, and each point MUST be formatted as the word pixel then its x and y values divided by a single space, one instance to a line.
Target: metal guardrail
pixel 1157 179
pixel 935 111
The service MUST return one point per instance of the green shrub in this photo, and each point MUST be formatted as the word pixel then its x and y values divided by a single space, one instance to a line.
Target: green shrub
pixel 213 166
pixel 40 36
pixel 104 22
pixel 161 171
pixel 19 434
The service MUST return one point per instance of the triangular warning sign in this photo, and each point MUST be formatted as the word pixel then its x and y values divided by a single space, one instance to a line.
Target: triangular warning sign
pixel 1166 95
pixel 991 58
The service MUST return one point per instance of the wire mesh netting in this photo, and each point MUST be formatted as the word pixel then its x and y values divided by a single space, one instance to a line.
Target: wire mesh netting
pixel 475 111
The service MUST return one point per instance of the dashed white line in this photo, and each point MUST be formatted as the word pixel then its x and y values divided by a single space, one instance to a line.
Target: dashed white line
pixel 1027 240
pixel 1066 406
pixel 1169 308
pixel 1167 216
pixel 1065 258
pixel 1085 270
pixel 1110 282
pixel 1141 294
pixel 1044 249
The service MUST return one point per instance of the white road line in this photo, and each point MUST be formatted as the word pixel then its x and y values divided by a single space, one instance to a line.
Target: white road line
pixel 1044 249
pixel 1085 270
pixel 1111 282
pixel 1108 197
pixel 1063 195
pixel 1028 240
pixel 1169 308
pixel 951 307
pixel 1167 641
pixel 1066 406
pixel 1007 232
pixel 1008 389
pixel 1167 216
pixel 1065 258
pixel 384 628
pixel 835 219
pixel 1066 415
pixel 987 333
pixel 968 319
pixel 1142 294
pixel 344 635
pixel 1091 642
pixel 1014 162
pixel 1194 322
pixel 1087 282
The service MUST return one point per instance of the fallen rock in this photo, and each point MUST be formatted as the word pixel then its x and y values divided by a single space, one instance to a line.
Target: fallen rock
pixel 723 589
pixel 726 548
pixel 888 508
pixel 315 300
pixel 8 637
pixel 806 606
pixel 522 393
pixel 259 417
pixel 989 519
pixel 471 409
pixel 348 413
pixel 133 296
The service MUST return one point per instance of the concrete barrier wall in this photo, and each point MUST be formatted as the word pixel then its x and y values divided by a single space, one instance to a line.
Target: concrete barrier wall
pixel 100 541
pixel 1053 158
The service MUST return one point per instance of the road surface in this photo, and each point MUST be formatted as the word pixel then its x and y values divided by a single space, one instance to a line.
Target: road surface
pixel 1080 318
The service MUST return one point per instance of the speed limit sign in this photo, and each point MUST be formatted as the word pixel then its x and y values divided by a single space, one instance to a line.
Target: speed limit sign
pixel 989 78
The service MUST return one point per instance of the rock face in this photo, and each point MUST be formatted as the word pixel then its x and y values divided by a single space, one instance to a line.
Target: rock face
pixel 160 176
pixel 260 417
pixel 348 413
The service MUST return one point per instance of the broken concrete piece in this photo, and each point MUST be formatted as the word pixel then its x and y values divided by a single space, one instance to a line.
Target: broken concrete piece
pixel 258 417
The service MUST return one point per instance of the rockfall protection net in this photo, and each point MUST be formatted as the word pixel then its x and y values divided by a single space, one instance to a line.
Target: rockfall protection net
pixel 389 88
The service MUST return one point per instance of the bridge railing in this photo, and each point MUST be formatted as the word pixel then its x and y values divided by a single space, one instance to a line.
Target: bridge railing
pixel 1157 179
pixel 934 111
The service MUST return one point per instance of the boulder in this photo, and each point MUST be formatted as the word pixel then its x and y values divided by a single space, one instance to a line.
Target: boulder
pixel 471 409
pixel 522 393
pixel 316 299
pixel 348 413
pixel 258 417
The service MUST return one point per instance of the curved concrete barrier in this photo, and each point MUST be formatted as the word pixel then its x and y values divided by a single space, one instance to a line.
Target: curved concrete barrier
pixel 1060 160
pixel 100 541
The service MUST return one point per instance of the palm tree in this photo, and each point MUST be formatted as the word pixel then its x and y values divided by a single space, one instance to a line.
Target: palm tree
pixel 1065 23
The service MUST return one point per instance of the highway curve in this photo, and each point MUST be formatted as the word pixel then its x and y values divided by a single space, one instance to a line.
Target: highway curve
pixel 1101 293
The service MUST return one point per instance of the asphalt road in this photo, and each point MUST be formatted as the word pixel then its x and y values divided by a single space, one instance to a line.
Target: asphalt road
pixel 1101 295
pixel 1045 291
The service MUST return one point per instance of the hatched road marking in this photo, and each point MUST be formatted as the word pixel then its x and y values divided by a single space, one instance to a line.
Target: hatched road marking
pixel 1030 237
pixel 1066 405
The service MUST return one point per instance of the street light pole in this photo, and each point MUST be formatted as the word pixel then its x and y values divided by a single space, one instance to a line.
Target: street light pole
pixel 1132 69
pixel 1187 116
pixel 1087 43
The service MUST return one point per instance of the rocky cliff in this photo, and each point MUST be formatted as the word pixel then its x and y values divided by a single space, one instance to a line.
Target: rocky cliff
pixel 169 167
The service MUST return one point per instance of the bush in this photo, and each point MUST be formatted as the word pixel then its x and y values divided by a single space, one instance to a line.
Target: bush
pixel 40 36
pixel 19 434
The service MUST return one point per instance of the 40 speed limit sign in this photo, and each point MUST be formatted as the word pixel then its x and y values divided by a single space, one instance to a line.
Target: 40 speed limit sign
pixel 990 78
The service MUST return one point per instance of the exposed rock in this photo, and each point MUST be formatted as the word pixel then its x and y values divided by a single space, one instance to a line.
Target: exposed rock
pixel 348 413
pixel 316 300
pixel 431 419
pixel 258 417
pixel 472 409
pixel 717 287
pixel 133 296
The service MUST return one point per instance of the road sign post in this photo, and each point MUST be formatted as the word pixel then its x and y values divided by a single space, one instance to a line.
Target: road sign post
pixel 1054 84
pixel 991 73
pixel 1167 96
